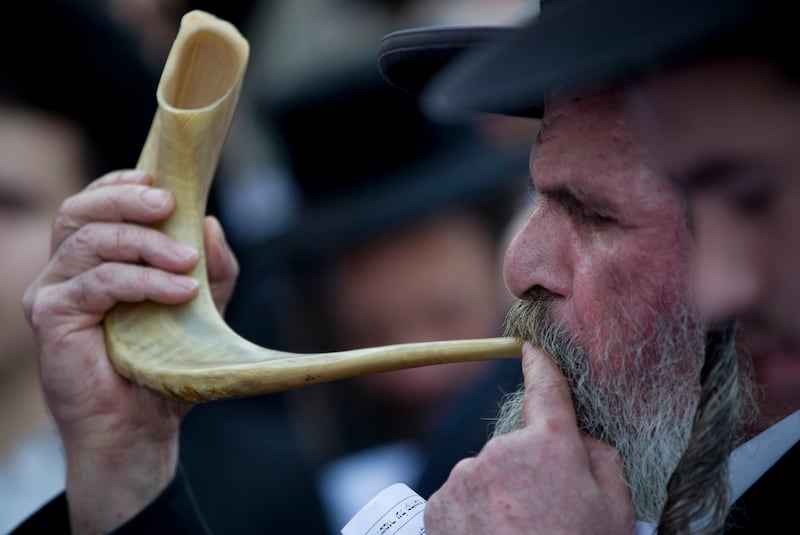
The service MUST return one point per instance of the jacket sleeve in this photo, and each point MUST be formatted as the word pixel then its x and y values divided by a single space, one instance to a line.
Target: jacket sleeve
pixel 174 511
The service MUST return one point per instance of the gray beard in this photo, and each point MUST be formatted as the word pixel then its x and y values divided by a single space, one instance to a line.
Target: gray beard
pixel 645 414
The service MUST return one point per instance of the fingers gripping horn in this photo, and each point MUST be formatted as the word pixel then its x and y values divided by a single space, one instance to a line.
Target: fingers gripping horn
pixel 188 352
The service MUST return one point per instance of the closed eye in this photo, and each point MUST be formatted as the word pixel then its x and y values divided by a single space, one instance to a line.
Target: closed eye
pixel 583 214
pixel 588 218
pixel 743 183
pixel 15 201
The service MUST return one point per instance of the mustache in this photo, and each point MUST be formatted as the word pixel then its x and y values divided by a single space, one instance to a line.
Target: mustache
pixel 532 320
pixel 525 319
pixel 644 408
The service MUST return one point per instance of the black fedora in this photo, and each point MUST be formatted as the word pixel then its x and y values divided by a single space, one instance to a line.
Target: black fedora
pixel 570 44
pixel 367 160
pixel 67 57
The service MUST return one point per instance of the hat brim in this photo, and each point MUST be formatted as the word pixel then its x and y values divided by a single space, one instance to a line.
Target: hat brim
pixel 408 59
pixel 571 45
pixel 72 59
pixel 470 173
pixel 392 169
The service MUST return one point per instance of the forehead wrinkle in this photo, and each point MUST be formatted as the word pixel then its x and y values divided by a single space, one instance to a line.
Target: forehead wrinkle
pixel 604 202
pixel 596 165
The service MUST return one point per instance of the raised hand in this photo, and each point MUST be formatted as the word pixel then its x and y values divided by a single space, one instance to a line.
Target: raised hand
pixel 120 440
pixel 545 478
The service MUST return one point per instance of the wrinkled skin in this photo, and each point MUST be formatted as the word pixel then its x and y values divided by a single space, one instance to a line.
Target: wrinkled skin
pixel 607 241
pixel 437 280
pixel 545 478
pixel 120 440
pixel 40 164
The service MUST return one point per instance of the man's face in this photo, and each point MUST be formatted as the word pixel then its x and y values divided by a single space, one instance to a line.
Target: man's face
pixel 40 164
pixel 606 250
pixel 729 132
pixel 605 238
pixel 434 281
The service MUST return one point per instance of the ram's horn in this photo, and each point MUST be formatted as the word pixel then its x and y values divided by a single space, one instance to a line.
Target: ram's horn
pixel 188 352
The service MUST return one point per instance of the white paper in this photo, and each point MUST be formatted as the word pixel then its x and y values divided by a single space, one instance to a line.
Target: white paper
pixel 396 510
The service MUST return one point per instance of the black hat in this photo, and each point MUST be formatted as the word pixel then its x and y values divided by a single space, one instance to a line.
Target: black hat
pixel 366 160
pixel 571 44
pixel 67 57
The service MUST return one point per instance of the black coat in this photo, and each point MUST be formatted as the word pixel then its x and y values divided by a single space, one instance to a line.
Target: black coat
pixel 243 470
pixel 768 506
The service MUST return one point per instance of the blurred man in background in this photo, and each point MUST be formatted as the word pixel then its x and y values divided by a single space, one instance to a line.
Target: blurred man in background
pixel 398 240
pixel 55 137
pixel 694 117
pixel 548 397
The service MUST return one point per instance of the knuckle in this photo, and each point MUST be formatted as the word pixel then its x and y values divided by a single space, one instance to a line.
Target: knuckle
pixel 82 291
pixel 65 222
pixel 103 274
pixel 494 451
pixel 29 306
pixel 111 201
pixel 122 239
pixel 464 468
pixel 234 267
pixel 69 205
pixel 82 242
pixel 106 178
pixel 85 236
pixel 111 177
pixel 553 429
pixel 39 309
pixel 28 300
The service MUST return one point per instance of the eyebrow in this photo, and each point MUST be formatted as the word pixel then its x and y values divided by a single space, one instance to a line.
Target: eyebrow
pixel 17 197
pixel 713 172
pixel 569 196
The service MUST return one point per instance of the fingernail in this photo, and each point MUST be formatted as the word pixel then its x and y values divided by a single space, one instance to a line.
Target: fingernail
pixel 155 198
pixel 184 251
pixel 187 283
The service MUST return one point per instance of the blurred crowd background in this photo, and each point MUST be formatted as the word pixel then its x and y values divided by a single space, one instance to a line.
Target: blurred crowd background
pixel 357 222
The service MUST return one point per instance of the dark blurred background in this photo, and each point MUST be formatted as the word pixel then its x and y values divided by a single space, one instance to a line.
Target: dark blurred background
pixel 356 222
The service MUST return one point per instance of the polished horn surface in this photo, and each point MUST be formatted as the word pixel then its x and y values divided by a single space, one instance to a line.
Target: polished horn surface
pixel 188 352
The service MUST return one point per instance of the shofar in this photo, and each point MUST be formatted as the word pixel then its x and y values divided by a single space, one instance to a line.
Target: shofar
pixel 188 352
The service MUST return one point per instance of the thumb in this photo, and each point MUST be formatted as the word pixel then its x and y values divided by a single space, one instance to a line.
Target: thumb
pixel 221 263
pixel 547 393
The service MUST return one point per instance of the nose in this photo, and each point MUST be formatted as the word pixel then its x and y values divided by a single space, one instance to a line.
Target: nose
pixel 538 256
pixel 727 279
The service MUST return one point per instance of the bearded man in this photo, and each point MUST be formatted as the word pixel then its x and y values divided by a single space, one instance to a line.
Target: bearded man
pixel 605 261
pixel 601 272
pixel 730 156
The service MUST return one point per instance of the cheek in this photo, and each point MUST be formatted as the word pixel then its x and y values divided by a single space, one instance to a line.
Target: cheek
pixel 726 280
pixel 781 260
pixel 25 246
pixel 619 303
pixel 25 254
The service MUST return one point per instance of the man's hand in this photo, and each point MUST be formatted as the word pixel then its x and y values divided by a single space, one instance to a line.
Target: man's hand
pixel 120 440
pixel 545 478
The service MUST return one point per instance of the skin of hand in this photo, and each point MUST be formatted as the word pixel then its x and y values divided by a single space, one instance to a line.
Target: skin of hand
pixel 120 439
pixel 545 478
